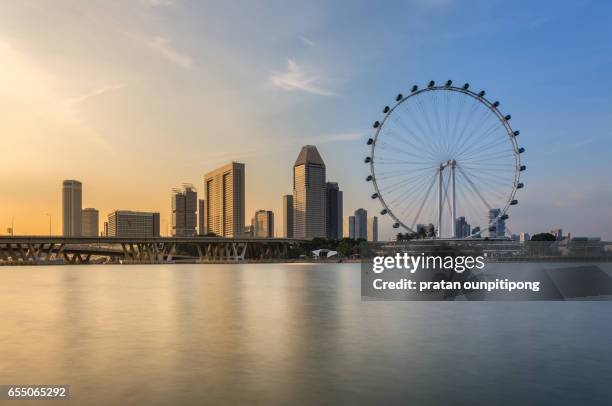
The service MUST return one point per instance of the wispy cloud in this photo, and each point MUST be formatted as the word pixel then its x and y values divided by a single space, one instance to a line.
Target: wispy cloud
pixel 93 93
pixel 572 145
pixel 159 2
pixel 307 41
pixel 296 79
pixel 163 46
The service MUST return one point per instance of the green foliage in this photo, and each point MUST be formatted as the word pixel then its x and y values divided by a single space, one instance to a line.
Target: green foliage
pixel 412 236
pixel 543 237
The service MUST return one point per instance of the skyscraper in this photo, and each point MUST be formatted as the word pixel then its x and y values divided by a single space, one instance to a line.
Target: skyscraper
pixel 373 229
pixel 263 224
pixel 349 227
pixel 462 228
pixel 72 201
pixel 224 200
pixel 333 211
pixel 133 224
pixel 288 216
pixel 309 194
pixel 361 224
pixel 90 219
pixel 184 211
pixel 201 228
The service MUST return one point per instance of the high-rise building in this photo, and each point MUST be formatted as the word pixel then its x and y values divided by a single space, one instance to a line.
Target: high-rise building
pixel 333 210
pixel 201 228
pixel 72 204
pixel 133 224
pixel 361 224
pixel 90 219
pixel 462 228
pixel 224 200
pixel 497 225
pixel 373 229
pixel 309 194
pixel 524 237
pixel 184 211
pixel 288 216
pixel 263 224
pixel 349 227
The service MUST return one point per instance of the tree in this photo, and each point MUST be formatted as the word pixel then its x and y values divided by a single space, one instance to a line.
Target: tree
pixel 543 237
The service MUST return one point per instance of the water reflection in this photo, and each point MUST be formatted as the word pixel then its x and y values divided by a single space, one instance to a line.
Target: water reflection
pixel 287 334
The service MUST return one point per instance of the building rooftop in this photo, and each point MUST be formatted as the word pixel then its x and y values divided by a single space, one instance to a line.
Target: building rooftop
pixel 309 154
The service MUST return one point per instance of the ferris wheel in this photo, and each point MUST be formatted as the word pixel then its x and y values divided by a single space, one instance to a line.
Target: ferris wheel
pixel 445 159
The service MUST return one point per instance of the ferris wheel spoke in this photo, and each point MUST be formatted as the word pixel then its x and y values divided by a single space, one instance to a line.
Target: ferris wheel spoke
pixel 432 134
pixel 448 106
pixel 402 171
pixel 415 205
pixel 395 149
pixel 472 139
pixel 402 152
pixel 427 193
pixel 484 119
pixel 421 133
pixel 474 188
pixel 493 189
pixel 411 190
pixel 456 121
pixel 402 182
pixel 486 151
pixel 486 137
pixel 464 126
pixel 438 123
pixel 467 131
pixel 411 186
pixel 429 151
pixel 498 143
pixel 486 157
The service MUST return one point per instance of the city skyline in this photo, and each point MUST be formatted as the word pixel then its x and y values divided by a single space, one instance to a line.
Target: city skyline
pixel 119 83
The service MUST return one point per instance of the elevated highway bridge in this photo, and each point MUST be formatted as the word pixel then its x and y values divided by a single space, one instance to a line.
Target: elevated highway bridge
pixel 81 250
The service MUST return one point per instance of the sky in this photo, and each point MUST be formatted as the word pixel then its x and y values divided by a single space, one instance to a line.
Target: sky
pixel 136 97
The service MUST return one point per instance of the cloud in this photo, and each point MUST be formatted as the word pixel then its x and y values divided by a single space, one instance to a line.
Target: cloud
pixel 163 46
pixel 155 3
pixel 36 105
pixel 296 79
pixel 307 41
pixel 93 93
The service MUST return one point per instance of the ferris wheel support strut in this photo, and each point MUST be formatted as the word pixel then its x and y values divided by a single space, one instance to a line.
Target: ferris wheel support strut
pixel 451 164
pixel 454 213
pixel 440 178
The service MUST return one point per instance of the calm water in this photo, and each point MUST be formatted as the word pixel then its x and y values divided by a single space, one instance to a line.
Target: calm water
pixel 288 334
